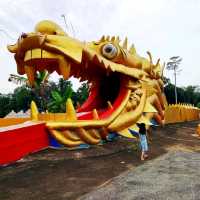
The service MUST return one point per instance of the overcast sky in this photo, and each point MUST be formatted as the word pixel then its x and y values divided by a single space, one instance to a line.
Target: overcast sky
pixel 165 27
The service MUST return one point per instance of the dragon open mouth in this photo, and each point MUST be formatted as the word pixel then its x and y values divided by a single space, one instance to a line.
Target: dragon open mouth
pixel 107 90
pixel 97 62
pixel 124 87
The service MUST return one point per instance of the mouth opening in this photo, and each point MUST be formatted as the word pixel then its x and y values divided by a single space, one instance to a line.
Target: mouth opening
pixel 105 97
pixel 106 89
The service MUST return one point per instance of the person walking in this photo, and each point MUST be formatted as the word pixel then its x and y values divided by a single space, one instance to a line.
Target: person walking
pixel 143 140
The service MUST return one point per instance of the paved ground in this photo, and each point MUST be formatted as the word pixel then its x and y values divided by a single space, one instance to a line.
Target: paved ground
pixel 69 175
pixel 175 175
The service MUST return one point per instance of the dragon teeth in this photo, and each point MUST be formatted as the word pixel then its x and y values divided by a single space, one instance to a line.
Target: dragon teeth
pixel 86 65
pixel 95 114
pixel 64 67
pixel 109 105
pixel 30 72
pixel 71 113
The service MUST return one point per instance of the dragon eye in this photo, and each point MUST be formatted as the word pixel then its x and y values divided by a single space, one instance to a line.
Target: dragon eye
pixel 109 51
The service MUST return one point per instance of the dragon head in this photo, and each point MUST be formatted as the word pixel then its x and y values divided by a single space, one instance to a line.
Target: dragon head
pixel 124 87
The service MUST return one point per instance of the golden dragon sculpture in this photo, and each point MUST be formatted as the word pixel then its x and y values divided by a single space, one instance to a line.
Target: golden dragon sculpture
pixel 125 88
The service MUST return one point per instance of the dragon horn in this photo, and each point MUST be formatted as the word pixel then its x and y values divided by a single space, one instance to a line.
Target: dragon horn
pixel 157 63
pixel 132 49
pixel 162 71
pixel 108 38
pixel 125 43
pixel 117 40
pixel 102 39
pixel 113 39
pixel 150 59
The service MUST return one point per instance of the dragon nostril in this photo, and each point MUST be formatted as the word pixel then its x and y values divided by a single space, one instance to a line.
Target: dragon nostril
pixel 24 35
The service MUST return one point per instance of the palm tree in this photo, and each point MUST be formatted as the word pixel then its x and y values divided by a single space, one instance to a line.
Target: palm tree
pixel 58 101
pixel 40 85
pixel 41 78
pixel 18 80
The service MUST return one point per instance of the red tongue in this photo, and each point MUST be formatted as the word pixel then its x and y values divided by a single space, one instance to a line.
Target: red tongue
pixel 117 103
pixel 94 102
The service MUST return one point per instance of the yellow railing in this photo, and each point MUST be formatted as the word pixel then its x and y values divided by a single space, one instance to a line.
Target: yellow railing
pixel 12 121
pixel 181 113
pixel 52 117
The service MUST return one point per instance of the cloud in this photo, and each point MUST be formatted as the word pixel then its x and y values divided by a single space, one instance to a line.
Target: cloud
pixel 165 27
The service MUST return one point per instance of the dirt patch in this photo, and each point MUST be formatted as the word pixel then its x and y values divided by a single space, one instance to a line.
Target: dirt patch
pixel 61 174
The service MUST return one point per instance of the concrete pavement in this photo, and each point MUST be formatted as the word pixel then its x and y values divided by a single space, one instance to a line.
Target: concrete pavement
pixel 173 176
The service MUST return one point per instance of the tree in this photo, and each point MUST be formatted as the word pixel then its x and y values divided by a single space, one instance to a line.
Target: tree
pixel 47 95
pixel 189 94
pixel 38 91
pixel 58 101
pixel 21 99
pixel 40 78
pixel 169 92
pixel 5 105
pixel 64 91
pixel 82 93
pixel 173 64
pixel 192 94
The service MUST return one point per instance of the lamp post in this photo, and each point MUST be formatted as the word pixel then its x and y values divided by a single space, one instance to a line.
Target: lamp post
pixel 64 18
pixel 67 27
pixel 173 64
